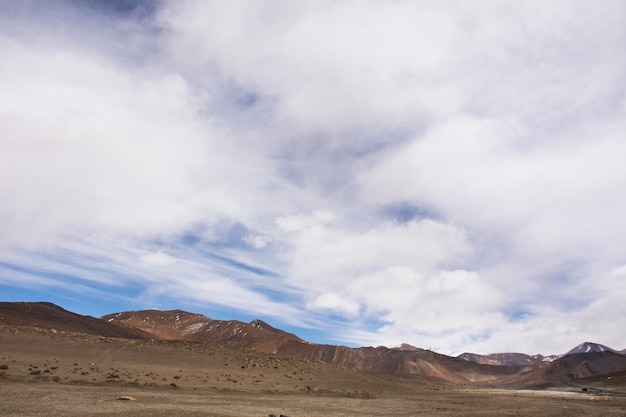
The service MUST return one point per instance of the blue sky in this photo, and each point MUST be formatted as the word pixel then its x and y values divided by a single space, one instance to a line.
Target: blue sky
pixel 446 174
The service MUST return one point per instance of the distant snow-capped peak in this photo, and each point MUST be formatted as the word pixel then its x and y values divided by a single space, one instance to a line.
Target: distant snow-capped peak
pixel 589 347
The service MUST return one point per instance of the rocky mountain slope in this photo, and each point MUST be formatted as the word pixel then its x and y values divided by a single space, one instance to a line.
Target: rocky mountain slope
pixel 587 360
pixel 260 336
pixel 51 316
pixel 522 359
pixel 181 325
pixel 568 369
pixel 503 359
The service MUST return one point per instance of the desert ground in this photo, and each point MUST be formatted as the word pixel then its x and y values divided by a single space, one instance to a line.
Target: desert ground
pixel 45 372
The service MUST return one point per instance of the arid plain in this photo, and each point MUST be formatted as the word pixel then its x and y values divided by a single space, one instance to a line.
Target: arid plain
pixel 46 372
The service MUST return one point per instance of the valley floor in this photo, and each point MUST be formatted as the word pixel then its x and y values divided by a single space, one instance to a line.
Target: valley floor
pixel 53 399
pixel 48 373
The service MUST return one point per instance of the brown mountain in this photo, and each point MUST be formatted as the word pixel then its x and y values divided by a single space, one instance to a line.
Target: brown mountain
pixel 399 361
pixel 51 316
pixel 181 325
pixel 503 359
pixel 161 325
pixel 503 370
pixel 260 336
pixel 500 369
pixel 567 370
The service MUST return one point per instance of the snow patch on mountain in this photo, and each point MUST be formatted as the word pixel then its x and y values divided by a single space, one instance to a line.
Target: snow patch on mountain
pixel 194 328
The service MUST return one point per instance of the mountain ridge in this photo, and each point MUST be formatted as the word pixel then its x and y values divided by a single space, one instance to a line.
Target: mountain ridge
pixel 506 358
pixel 51 316
pixel 500 369
pixel 182 325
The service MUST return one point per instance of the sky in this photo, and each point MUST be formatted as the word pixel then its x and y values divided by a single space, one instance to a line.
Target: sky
pixel 446 174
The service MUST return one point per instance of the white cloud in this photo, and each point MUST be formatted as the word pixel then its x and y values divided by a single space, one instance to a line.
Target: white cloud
pixel 94 146
pixel 257 241
pixel 333 79
pixel 450 308
pixel 322 258
pixel 299 222
pixel 157 259
pixel 540 203
pixel 397 274
pixel 336 304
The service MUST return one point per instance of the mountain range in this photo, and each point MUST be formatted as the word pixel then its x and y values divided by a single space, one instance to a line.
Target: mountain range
pixel 588 360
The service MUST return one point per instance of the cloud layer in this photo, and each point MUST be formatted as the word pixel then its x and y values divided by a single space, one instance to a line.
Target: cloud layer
pixel 439 174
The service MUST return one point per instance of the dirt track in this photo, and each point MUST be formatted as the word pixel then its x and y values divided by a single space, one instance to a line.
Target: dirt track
pixel 63 374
